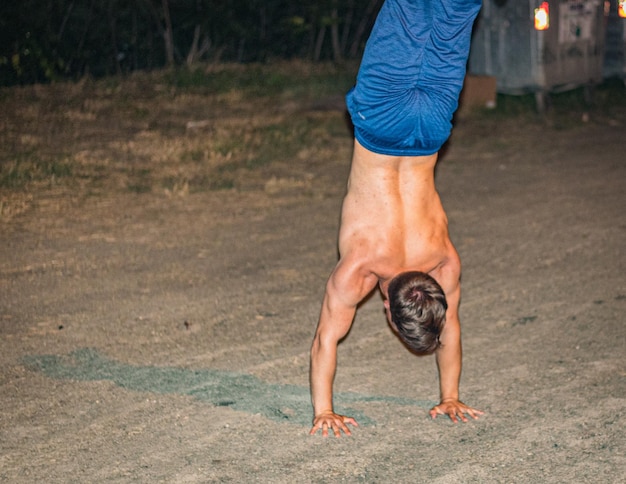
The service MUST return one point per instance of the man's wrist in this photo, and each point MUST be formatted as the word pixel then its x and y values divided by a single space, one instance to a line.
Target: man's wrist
pixel 323 412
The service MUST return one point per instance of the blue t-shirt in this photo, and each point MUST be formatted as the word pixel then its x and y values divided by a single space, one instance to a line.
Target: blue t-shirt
pixel 411 75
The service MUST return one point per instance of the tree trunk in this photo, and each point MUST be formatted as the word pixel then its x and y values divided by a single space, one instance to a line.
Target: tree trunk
pixel 347 24
pixel 360 31
pixel 334 35
pixel 197 50
pixel 81 42
pixel 133 41
pixel 64 22
pixel 193 50
pixel 113 28
pixel 168 35
pixel 318 43
pixel 240 49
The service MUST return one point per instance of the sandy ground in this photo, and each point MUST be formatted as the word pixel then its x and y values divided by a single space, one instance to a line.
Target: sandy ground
pixel 155 338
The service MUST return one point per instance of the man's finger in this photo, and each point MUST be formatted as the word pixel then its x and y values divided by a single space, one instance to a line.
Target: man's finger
pixel 474 413
pixel 350 420
pixel 345 429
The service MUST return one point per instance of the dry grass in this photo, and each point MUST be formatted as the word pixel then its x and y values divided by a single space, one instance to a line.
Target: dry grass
pixel 215 127
pixel 168 133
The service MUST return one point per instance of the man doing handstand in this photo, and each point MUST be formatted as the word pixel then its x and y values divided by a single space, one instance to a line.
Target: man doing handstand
pixel 394 231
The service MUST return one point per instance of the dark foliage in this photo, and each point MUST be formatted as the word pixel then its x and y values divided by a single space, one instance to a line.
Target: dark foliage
pixel 44 40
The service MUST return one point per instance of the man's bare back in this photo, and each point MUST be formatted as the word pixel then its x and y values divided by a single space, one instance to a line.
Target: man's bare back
pixel 392 218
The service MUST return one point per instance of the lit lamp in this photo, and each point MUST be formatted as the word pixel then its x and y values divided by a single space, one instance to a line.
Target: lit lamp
pixel 542 15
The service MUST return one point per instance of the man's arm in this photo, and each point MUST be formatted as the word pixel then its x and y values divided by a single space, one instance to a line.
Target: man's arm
pixel 344 290
pixel 449 358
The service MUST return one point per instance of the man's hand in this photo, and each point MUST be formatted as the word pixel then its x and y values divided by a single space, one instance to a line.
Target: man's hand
pixel 332 421
pixel 455 409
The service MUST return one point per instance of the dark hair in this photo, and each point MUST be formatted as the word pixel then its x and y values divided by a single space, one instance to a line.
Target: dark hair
pixel 417 306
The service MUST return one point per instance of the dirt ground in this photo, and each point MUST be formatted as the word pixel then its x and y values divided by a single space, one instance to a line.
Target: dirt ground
pixel 162 334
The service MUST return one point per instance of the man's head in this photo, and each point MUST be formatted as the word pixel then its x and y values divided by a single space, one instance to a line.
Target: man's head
pixel 416 308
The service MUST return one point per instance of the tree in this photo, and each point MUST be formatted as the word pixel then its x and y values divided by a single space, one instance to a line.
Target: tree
pixel 168 35
pixel 44 40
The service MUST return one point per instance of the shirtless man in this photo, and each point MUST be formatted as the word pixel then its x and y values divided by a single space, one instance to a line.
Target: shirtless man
pixel 394 229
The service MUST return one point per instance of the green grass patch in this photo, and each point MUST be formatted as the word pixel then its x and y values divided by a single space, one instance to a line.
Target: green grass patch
pixel 252 148
pixel 195 155
pixel 140 181
pixel 27 167
pixel 278 141
pixel 264 80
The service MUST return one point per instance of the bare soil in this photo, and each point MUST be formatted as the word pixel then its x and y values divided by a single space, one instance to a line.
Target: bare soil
pixel 160 286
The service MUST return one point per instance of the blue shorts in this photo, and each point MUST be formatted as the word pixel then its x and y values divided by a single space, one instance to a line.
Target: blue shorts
pixel 411 75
